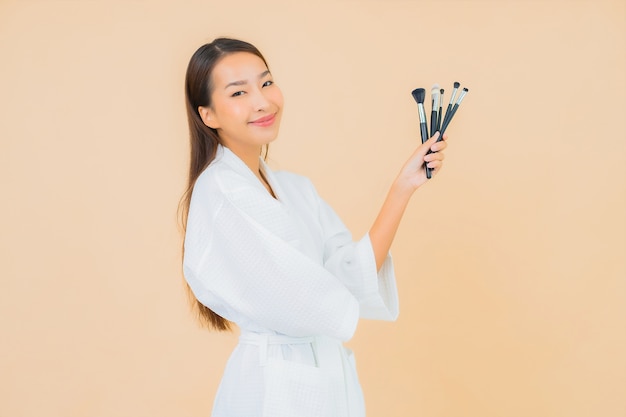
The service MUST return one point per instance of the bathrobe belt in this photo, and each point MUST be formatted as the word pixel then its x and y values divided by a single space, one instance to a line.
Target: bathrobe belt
pixel 330 356
pixel 264 340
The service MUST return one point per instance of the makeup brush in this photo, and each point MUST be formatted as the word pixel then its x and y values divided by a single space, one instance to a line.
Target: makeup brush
pixel 418 95
pixel 440 114
pixel 456 87
pixel 434 92
pixel 453 112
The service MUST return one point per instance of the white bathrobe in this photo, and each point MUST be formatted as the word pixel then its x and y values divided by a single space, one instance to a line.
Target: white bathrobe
pixel 287 272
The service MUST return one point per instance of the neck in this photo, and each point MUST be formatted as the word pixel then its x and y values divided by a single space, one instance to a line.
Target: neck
pixel 252 161
pixel 249 156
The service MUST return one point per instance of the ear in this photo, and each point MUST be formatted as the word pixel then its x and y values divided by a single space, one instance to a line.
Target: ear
pixel 208 117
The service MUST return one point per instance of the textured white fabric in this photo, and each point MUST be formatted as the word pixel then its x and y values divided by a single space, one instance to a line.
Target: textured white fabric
pixel 288 273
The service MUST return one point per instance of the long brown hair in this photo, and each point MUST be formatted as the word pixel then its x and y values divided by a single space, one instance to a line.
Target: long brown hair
pixel 203 139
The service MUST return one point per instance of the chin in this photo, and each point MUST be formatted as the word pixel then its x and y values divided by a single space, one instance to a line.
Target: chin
pixel 271 138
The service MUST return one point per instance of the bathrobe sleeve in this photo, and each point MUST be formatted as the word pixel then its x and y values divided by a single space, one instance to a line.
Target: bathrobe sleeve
pixel 354 264
pixel 248 275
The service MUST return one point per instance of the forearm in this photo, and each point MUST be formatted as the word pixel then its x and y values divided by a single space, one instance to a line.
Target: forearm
pixel 386 224
pixel 411 177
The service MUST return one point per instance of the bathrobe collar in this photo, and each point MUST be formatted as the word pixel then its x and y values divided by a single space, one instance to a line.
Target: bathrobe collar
pixel 231 159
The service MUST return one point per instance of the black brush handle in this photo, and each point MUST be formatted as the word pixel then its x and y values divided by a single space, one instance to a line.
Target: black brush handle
pixel 429 171
pixel 424 132
pixel 433 122
pixel 433 129
pixel 439 119
pixel 448 112
pixel 447 121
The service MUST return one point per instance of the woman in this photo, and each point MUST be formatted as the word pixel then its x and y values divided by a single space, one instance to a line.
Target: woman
pixel 262 250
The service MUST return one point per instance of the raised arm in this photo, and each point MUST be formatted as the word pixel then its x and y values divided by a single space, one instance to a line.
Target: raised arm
pixel 411 177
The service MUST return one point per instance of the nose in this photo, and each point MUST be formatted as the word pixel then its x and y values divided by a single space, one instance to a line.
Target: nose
pixel 259 101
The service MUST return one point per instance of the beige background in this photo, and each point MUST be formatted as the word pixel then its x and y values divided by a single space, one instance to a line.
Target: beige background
pixel 511 263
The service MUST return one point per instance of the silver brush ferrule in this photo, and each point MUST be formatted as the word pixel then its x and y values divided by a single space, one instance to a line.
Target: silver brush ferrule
pixel 420 108
pixel 436 101
pixel 453 95
pixel 461 96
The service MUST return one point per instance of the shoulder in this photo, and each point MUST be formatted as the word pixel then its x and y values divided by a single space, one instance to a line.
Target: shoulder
pixel 222 176
pixel 213 184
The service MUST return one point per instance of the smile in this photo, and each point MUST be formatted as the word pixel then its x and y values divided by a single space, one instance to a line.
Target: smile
pixel 264 121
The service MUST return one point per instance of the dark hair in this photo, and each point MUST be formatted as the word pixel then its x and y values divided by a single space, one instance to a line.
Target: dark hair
pixel 203 139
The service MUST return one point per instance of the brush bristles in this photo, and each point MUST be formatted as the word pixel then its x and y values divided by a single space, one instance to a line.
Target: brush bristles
pixel 418 95
pixel 441 91
pixel 457 84
pixel 434 94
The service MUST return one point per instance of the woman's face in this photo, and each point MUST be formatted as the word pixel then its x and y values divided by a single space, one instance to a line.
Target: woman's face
pixel 247 105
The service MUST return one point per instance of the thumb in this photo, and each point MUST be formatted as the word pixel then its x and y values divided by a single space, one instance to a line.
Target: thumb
pixel 425 147
pixel 417 159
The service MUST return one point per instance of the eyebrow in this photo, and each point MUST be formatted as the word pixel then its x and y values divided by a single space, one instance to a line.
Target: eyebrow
pixel 244 82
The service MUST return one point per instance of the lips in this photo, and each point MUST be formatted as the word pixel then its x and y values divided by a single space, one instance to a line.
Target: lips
pixel 264 121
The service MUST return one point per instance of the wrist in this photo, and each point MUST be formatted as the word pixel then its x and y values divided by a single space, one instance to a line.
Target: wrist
pixel 402 188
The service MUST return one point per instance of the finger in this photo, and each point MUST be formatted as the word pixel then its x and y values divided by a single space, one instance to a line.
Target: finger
pixel 434 165
pixel 430 142
pixel 444 138
pixel 424 147
pixel 435 136
pixel 436 156
pixel 435 171
pixel 439 146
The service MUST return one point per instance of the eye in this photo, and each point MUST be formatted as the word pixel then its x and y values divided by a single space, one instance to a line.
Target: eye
pixel 268 83
pixel 238 93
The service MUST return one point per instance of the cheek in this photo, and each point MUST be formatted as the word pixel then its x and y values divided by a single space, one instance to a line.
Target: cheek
pixel 237 110
pixel 229 110
pixel 277 97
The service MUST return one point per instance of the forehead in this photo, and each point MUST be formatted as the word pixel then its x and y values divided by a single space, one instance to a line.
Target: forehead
pixel 239 66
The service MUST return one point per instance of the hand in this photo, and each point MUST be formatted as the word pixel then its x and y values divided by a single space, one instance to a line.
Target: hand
pixel 413 174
